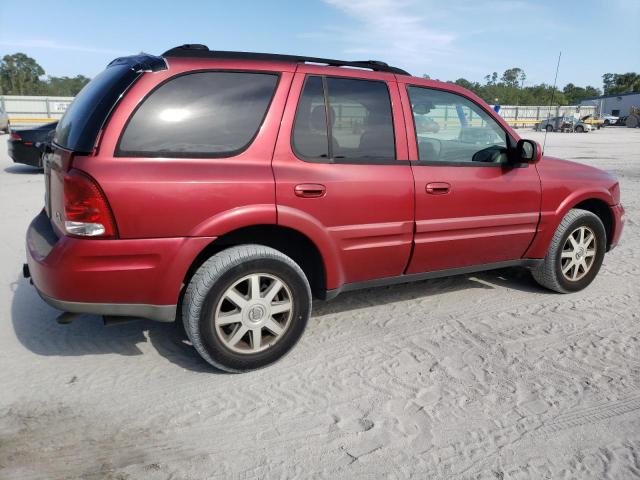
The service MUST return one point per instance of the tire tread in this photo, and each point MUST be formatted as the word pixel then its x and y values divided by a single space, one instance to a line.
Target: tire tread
pixel 205 278
pixel 546 274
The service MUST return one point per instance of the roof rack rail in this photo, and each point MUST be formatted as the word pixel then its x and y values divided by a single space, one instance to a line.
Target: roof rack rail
pixel 196 50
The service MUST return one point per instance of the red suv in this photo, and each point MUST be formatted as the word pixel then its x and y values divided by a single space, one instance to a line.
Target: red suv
pixel 227 188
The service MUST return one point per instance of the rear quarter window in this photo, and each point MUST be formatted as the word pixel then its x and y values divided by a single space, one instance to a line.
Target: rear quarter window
pixel 81 123
pixel 201 114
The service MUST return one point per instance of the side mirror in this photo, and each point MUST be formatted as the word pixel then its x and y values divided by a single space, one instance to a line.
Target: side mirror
pixel 528 151
pixel 422 108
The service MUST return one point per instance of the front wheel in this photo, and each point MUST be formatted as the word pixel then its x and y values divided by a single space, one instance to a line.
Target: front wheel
pixel 246 307
pixel 575 254
pixel 580 129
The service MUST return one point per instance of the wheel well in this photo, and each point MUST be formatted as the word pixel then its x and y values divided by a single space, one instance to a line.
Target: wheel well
pixel 602 211
pixel 286 240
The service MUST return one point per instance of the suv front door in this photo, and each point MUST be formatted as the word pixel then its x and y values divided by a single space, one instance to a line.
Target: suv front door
pixel 473 207
pixel 354 193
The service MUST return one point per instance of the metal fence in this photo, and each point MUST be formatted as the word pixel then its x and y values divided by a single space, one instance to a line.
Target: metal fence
pixel 33 110
pixel 527 115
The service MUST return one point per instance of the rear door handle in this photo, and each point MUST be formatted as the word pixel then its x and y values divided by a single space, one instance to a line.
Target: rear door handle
pixel 437 188
pixel 310 190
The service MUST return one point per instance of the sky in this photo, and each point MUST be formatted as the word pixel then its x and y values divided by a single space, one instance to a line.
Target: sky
pixel 444 39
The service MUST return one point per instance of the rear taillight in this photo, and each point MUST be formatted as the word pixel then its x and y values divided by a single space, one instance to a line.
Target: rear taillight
pixel 15 136
pixel 86 211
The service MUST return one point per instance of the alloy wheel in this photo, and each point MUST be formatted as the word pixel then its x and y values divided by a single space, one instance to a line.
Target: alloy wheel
pixel 253 313
pixel 578 253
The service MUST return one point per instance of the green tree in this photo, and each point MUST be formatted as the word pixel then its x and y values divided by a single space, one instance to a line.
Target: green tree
pixel 20 75
pixel 491 79
pixel 464 83
pixel 574 94
pixel 620 82
pixel 513 77
pixel 65 86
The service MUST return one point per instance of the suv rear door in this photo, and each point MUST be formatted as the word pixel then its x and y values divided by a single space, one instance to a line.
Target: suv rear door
pixel 472 206
pixel 355 191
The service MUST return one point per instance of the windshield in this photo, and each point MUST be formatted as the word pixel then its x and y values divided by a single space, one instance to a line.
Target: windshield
pixel 81 123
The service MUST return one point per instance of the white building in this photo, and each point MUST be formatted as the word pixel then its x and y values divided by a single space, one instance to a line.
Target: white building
pixel 617 104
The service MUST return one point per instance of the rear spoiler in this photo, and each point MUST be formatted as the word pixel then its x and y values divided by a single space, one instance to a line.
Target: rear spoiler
pixel 141 63
pixel 79 128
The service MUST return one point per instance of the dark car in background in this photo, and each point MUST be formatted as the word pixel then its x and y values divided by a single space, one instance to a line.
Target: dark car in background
pixel 27 145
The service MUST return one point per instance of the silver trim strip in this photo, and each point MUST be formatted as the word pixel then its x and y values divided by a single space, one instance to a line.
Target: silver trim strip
pixel 159 313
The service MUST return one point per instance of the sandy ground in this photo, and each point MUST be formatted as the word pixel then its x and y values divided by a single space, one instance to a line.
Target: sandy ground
pixel 484 376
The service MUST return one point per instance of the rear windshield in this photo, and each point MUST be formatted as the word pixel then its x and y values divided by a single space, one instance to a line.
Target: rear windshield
pixel 81 123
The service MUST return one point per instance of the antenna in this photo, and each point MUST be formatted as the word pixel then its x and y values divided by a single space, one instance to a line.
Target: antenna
pixel 544 143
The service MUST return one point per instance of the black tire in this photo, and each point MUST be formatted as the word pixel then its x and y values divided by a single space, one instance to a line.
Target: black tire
pixel 549 274
pixel 549 128
pixel 607 122
pixel 580 129
pixel 210 282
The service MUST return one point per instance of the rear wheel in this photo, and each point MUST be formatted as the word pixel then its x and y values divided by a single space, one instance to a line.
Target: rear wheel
pixel 575 254
pixel 246 307
pixel 580 129
pixel 549 128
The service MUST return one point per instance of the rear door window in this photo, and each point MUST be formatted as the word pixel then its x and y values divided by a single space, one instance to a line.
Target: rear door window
pixel 344 120
pixel 203 114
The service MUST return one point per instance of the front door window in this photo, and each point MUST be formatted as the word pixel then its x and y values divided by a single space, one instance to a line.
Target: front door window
pixel 452 129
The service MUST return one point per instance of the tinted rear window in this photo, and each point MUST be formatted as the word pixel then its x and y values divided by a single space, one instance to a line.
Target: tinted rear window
pixel 360 121
pixel 203 114
pixel 81 123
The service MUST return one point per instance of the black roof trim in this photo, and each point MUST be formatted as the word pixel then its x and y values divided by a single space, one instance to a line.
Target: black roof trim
pixel 141 63
pixel 202 51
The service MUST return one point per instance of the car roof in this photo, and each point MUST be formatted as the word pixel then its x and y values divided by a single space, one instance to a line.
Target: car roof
pixel 197 56
pixel 202 51
pixel 200 56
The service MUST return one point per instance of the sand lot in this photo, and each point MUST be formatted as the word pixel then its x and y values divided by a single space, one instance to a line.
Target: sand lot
pixel 483 376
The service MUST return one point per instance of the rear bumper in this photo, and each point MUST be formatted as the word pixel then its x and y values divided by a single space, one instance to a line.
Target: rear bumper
pixel 160 313
pixel 618 225
pixel 140 278
pixel 25 154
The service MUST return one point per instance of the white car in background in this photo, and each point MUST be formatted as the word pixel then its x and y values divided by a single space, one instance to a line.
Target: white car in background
pixel 4 121
pixel 609 119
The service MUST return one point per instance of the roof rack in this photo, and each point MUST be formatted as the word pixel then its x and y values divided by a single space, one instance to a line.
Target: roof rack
pixel 202 51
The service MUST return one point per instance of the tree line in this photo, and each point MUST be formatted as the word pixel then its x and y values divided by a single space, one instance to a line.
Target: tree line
pixel 22 75
pixel 511 88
